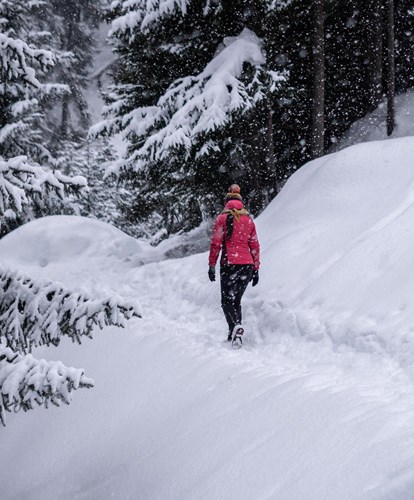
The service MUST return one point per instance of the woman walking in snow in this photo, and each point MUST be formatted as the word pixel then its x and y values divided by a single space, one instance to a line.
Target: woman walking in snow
pixel 234 233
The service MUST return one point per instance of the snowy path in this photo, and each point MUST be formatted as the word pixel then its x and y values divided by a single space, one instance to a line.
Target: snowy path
pixel 177 414
pixel 284 418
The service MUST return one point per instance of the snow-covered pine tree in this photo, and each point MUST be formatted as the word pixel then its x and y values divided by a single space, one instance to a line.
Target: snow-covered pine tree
pixel 390 66
pixel 354 74
pixel 35 313
pixel 318 101
pixel 162 42
pixel 75 40
pixel 74 25
pixel 24 133
pixel 105 197
pixel 192 96
pixel 23 89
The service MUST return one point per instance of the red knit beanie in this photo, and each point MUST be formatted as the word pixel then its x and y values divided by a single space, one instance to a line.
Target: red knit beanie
pixel 234 188
pixel 233 193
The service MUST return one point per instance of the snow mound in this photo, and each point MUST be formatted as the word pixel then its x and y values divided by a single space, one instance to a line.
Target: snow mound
pixel 338 249
pixel 71 244
pixel 64 238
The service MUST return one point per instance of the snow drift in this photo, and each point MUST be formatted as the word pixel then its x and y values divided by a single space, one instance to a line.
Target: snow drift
pixel 68 245
pixel 339 259
pixel 318 405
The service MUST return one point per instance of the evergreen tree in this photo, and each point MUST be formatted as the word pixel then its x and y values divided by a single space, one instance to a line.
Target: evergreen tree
pixel 390 74
pixel 165 47
pixel 73 25
pixel 23 96
pixel 355 57
pixel 27 187
pixel 105 198
pixel 404 44
pixel 375 47
pixel 45 116
pixel 192 96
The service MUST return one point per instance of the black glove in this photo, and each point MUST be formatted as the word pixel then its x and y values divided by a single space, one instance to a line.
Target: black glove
pixel 212 273
pixel 255 278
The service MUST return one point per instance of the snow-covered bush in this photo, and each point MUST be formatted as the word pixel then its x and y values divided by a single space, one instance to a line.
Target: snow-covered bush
pixel 35 313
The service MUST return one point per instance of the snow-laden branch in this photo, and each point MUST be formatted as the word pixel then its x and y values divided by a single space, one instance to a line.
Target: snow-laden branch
pixel 35 313
pixel 277 4
pixel 19 182
pixel 26 382
pixel 136 14
pixel 139 15
pixel 39 312
pixel 14 56
pixel 195 106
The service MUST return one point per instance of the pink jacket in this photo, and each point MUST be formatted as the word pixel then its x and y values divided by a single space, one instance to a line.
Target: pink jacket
pixel 243 246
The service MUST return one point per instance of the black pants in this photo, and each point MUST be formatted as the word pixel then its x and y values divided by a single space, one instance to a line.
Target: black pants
pixel 234 280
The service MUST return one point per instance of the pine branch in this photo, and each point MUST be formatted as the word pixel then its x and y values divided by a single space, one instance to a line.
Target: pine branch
pixel 277 4
pixel 15 55
pixel 35 313
pixel 144 15
pixel 20 182
pixel 26 382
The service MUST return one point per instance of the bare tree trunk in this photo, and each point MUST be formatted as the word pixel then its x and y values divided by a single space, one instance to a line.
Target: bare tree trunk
pixel 318 107
pixel 390 67
pixel 375 48
pixel 270 157
pixel 64 125
pixel 64 117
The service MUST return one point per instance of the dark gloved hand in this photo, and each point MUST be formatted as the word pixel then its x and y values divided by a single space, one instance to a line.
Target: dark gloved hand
pixel 255 278
pixel 212 273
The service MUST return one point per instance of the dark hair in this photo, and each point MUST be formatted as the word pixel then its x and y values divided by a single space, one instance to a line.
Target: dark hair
pixel 229 226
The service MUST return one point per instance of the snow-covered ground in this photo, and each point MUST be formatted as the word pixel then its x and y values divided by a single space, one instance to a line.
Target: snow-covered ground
pixel 319 404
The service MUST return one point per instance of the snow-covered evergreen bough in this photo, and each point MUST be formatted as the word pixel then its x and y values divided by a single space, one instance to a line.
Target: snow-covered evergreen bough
pixel 35 313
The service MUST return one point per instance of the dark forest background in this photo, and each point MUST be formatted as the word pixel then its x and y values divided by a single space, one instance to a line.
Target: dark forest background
pixel 340 60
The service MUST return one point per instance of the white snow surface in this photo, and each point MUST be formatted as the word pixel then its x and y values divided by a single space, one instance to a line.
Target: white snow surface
pixel 319 403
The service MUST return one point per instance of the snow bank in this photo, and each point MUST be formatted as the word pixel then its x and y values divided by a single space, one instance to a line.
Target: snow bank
pixel 338 261
pixel 63 239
